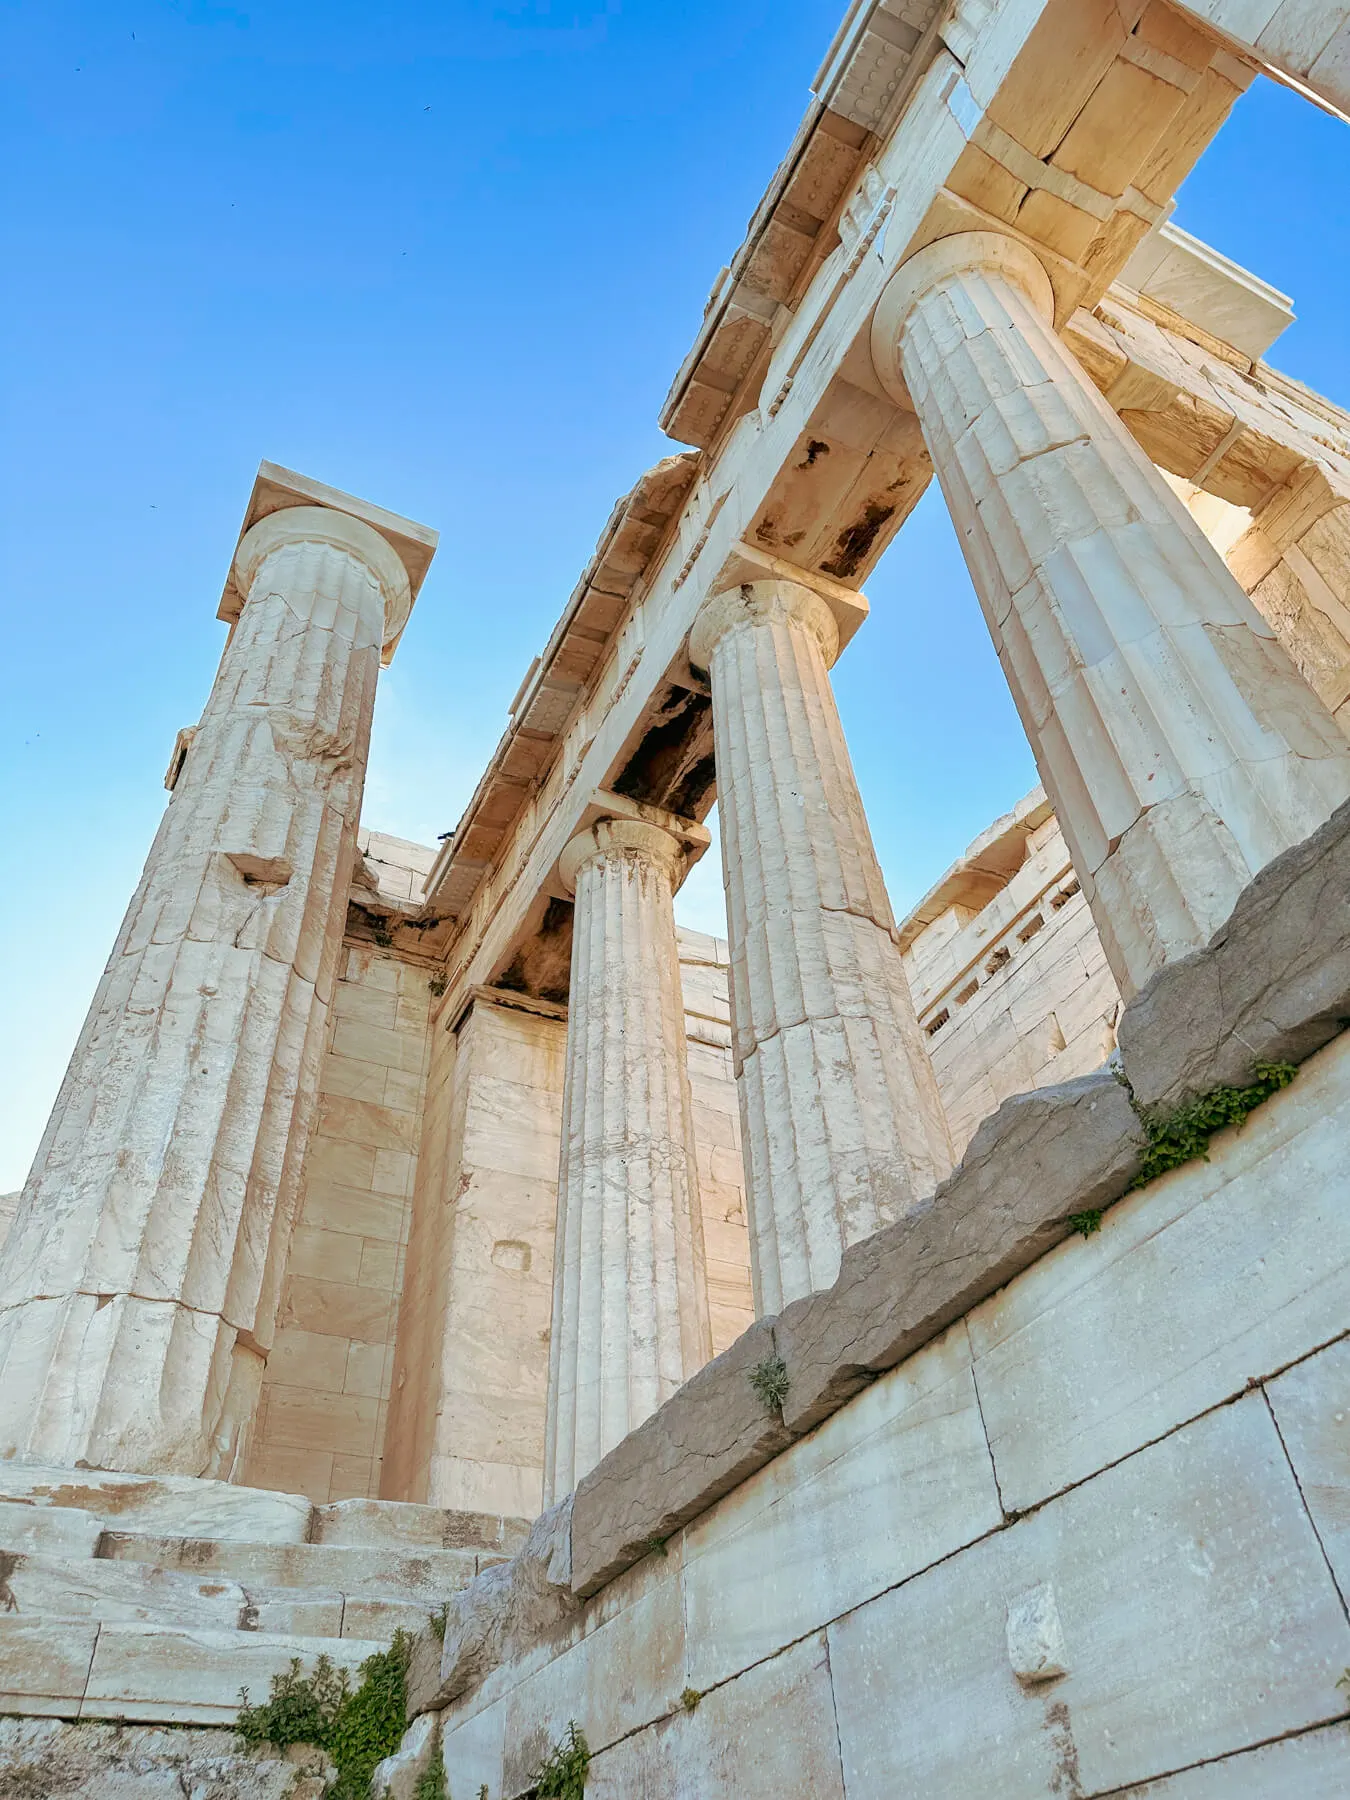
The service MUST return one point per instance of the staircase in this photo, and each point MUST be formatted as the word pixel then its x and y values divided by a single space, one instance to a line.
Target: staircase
pixel 150 1601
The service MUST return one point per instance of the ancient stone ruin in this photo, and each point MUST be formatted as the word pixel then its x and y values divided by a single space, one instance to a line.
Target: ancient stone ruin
pixel 852 1358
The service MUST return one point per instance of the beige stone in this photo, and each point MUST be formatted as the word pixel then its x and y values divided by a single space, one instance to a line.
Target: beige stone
pixel 630 1301
pixel 844 1130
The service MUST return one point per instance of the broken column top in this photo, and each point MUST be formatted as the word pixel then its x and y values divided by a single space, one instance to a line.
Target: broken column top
pixel 275 489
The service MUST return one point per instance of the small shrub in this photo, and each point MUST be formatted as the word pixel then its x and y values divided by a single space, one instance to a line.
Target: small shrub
pixel 437 985
pixel 432 1784
pixel 689 1699
pixel 562 1774
pixel 1085 1223
pixel 437 1621
pixel 771 1382
pixel 383 936
pixel 656 1546
pixel 1182 1136
pixel 357 1727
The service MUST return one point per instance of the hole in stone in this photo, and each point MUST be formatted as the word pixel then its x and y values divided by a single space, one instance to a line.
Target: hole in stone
pixel 936 1023
pixel 968 993
pixel 1065 894
pixel 999 960
pixel 1030 929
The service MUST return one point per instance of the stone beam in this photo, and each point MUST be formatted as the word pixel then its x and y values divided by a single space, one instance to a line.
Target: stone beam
pixel 1065 126
pixel 1306 41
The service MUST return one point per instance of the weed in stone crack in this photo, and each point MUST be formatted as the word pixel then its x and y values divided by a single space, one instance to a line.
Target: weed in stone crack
pixel 431 1783
pixel 689 1699
pixel 1085 1223
pixel 1180 1137
pixel 771 1382
pixel 562 1774
pixel 656 1546
pixel 437 1620
pixel 358 1727
pixel 437 985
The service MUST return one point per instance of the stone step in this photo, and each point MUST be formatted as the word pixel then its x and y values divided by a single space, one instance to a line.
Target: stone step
pixel 174 1505
pixel 48 1530
pixel 86 1669
pixel 425 1578
pixel 401 1524
pixel 48 1759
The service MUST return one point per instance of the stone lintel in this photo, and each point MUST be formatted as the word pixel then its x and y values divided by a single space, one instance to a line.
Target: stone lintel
pixel 275 489
pixel 507 997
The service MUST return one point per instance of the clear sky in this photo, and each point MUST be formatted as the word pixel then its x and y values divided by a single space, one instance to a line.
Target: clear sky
pixel 447 255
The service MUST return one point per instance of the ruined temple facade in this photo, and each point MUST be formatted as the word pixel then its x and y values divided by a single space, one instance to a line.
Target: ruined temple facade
pixel 408 1209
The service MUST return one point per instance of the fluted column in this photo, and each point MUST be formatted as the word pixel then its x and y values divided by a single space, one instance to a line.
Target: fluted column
pixel 630 1308
pixel 139 1283
pixel 843 1127
pixel 1180 747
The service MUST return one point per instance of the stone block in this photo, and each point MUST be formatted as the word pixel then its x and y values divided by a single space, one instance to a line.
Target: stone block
pixel 1314 1766
pixel 898 1481
pixel 1197 1618
pixel 1214 1276
pixel 472 1747
pixel 705 1440
pixel 628 1670
pixel 59 1761
pixel 398 1776
pixel 382 1617
pixel 168 1505
pixel 389 1524
pixel 425 1576
pixel 1039 1159
pixel 767 1735
pixel 1272 984
pixel 48 1530
pixel 56 1587
pixel 44 1664
pixel 501 1613
pixel 1311 1403
pixel 194 1677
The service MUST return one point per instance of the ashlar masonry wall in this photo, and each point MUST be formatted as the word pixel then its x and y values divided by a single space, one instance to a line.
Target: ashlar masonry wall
pixel 321 1420
pixel 1091 1541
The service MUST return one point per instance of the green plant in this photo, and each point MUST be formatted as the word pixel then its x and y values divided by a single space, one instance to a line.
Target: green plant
pixel 383 936
pixel 656 1546
pixel 432 1784
pixel 358 1727
pixel 1085 1223
pixel 437 985
pixel 562 1774
pixel 771 1381
pixel 689 1699
pixel 1181 1136
pixel 437 1620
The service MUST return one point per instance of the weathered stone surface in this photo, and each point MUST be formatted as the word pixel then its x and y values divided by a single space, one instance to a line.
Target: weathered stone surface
pixel 630 1295
pixel 1271 985
pixel 1220 1272
pixel 171 1505
pixel 48 1530
pixel 44 1664
pixel 396 1778
pixel 425 1576
pixel 704 1441
pixel 194 1677
pixel 47 1759
pixel 1311 1403
pixel 502 1612
pixel 1041 1158
pixel 396 1525
pixel 89 1587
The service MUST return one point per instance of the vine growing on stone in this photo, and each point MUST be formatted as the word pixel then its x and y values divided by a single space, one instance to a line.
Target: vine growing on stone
pixel 1183 1135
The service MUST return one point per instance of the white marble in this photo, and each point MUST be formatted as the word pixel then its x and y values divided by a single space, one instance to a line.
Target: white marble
pixel 630 1305
pixel 142 1273
pixel 1176 740
pixel 1311 1404
pixel 1216 1274
pixel 1197 1618
pixel 843 1129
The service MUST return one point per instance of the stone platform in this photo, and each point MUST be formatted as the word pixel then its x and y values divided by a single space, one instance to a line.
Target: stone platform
pixel 152 1601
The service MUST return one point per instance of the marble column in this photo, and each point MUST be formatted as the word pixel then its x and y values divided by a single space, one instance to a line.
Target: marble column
pixel 1176 740
pixel 140 1281
pixel 630 1308
pixel 843 1128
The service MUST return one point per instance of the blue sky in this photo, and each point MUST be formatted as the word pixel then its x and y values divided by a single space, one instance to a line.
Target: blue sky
pixel 446 255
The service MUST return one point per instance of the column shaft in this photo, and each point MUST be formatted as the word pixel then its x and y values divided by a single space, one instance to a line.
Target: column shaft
pixel 630 1310
pixel 141 1276
pixel 843 1128
pixel 1180 747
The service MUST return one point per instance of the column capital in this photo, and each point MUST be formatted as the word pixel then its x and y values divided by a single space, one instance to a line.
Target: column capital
pixel 323 525
pixel 762 602
pixel 989 252
pixel 620 838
